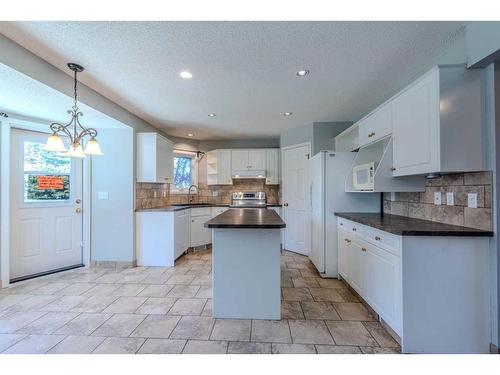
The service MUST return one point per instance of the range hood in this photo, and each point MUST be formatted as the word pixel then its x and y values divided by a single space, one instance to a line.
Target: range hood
pixel 245 173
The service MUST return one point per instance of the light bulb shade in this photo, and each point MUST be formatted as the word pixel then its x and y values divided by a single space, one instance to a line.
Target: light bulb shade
pixel 55 143
pixel 93 147
pixel 75 151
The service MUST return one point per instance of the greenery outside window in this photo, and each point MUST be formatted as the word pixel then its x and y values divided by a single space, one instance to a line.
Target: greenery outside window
pixel 185 172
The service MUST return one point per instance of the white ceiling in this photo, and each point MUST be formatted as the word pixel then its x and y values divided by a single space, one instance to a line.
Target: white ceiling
pixel 22 95
pixel 242 71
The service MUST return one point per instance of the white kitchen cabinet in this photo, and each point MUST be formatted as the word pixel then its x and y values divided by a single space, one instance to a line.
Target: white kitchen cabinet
pixel 249 159
pixel 199 234
pixel 376 125
pixel 436 300
pixel 181 232
pixel 273 166
pixel 154 158
pixel 219 167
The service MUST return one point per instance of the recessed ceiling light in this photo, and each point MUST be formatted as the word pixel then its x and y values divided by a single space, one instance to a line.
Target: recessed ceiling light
pixel 190 135
pixel 287 114
pixel 302 73
pixel 186 75
pixel 212 115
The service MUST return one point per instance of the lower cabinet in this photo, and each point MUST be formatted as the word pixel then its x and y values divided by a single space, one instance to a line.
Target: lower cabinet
pixel 182 231
pixel 199 234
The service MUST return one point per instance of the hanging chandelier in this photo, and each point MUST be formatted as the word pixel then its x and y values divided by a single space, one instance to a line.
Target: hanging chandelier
pixel 73 129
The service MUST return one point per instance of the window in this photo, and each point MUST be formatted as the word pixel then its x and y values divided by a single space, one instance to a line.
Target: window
pixel 46 174
pixel 185 171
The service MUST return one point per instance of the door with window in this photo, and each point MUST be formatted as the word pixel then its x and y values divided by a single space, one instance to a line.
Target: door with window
pixel 46 213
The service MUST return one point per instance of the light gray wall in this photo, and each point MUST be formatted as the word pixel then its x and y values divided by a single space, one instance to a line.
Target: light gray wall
pixel 482 41
pixel 296 136
pixel 112 224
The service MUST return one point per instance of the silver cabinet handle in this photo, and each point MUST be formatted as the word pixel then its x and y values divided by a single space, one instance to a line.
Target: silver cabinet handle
pixel 363 249
pixel 354 229
pixel 347 240
pixel 377 238
pixel 371 134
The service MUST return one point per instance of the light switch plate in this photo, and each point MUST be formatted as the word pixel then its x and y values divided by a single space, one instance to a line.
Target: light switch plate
pixel 215 193
pixel 472 200
pixel 437 198
pixel 450 201
pixel 103 195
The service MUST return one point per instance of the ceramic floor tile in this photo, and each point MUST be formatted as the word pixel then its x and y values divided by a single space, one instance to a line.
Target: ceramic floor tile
pixel 353 311
pixel 119 345
pixel 75 289
pixel 323 294
pixel 270 331
pixel 293 349
pixel 9 339
pixel 184 291
pixel 129 290
pixel 291 310
pixel 193 327
pixel 50 288
pixel 109 278
pixel 347 295
pixel 8 300
pixel 202 280
pixel 102 290
pixel 156 279
pixel 381 335
pixel 35 344
pixel 296 294
pixel 162 346
pixel 156 291
pixel 84 324
pixel 156 326
pixel 124 305
pixel 376 350
pixel 33 303
pixel 136 278
pixel 119 325
pixel 205 291
pixel 187 306
pixel 249 348
pixel 310 332
pixel 48 323
pixel 305 282
pixel 319 310
pixel 207 310
pixel 95 304
pixel 231 330
pixel 337 349
pixel 154 305
pixel 77 345
pixel 205 347
pixel 350 333
pixel 65 303
pixel 331 283
pixel 181 279
pixel 14 321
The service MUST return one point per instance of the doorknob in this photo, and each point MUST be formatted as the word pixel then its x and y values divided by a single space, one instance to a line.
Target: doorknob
pixel 78 201
pixel 78 210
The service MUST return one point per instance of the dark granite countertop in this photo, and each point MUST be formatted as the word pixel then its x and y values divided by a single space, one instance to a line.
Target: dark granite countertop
pixel 180 207
pixel 249 218
pixel 407 226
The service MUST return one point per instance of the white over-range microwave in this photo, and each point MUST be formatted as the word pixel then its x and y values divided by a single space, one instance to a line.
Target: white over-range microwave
pixel 362 176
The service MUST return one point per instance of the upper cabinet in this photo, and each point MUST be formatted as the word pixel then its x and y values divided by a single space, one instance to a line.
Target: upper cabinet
pixel 253 159
pixel 435 122
pixel 155 158
pixel 273 166
pixel 219 167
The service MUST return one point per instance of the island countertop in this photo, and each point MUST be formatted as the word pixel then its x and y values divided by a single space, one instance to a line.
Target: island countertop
pixel 247 218
pixel 407 226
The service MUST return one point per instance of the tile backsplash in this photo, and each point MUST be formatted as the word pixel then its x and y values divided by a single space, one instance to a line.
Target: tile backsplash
pixel 156 195
pixel 421 205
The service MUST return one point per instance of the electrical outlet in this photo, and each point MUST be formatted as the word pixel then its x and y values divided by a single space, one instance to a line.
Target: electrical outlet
pixel 102 195
pixel 450 201
pixel 472 200
pixel 437 198
pixel 215 193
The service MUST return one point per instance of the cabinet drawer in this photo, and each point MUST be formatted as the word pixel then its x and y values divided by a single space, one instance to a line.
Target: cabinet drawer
pixel 201 211
pixel 384 240
pixel 352 227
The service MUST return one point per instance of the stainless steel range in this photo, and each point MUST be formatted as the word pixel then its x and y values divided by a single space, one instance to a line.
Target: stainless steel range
pixel 249 199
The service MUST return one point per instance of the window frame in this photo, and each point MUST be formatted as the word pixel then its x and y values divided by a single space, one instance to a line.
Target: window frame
pixel 194 171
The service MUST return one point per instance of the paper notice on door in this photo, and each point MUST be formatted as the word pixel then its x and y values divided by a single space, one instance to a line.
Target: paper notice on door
pixel 50 183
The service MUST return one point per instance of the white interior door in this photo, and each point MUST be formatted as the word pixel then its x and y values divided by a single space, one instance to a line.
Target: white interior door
pixel 296 199
pixel 46 201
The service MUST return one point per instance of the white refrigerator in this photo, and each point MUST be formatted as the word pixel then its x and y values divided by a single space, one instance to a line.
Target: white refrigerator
pixel 328 174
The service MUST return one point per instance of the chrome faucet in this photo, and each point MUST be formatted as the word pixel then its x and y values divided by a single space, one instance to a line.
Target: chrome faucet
pixel 190 196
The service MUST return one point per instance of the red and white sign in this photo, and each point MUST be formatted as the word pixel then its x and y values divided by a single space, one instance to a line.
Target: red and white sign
pixel 50 183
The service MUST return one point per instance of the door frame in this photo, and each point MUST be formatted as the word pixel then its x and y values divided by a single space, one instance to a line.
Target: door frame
pixel 283 149
pixel 39 126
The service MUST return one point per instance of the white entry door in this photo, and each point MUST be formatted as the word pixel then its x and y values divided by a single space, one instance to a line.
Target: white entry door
pixel 296 199
pixel 46 201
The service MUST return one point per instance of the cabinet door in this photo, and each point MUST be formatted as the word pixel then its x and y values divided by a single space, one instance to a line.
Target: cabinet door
pixel 343 247
pixel 199 234
pixel 256 159
pixel 224 167
pixel 239 159
pixel 355 262
pixel 382 284
pixel 181 232
pixel 272 167
pixel 415 115
pixel 164 160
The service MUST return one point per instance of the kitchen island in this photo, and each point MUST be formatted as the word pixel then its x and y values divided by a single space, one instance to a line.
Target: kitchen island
pixel 246 264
